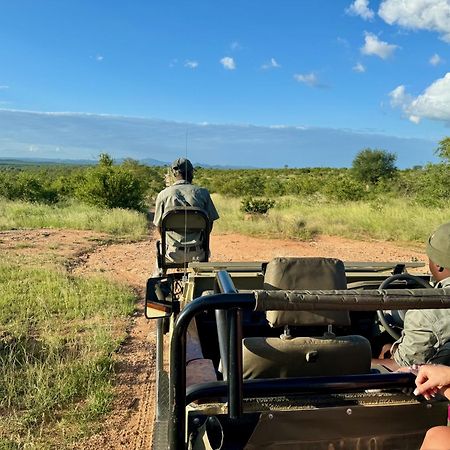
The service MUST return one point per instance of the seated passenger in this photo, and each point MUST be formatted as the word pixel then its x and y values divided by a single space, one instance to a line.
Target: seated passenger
pixel 426 332
pixel 183 193
pixel 430 380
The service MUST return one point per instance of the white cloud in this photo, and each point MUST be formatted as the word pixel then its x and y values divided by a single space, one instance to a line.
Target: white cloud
pixel 373 46
pixel 432 15
pixel 99 58
pixel 360 8
pixel 235 45
pixel 3 87
pixel 310 79
pixel 358 67
pixel 191 64
pixel 228 63
pixel 343 42
pixel 399 97
pixel 435 60
pixel 433 103
pixel 272 64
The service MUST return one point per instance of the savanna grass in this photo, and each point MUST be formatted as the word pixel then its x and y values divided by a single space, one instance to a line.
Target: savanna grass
pixel 392 219
pixel 78 216
pixel 57 335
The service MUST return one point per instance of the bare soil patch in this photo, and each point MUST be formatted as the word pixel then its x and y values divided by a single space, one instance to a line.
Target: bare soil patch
pixel 129 425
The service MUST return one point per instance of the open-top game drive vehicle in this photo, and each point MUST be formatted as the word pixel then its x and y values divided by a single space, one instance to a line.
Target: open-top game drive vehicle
pixel 278 356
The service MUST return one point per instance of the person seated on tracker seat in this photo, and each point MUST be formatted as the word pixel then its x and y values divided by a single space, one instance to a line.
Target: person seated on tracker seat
pixel 182 193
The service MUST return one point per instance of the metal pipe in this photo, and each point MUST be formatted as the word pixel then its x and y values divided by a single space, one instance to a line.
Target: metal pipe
pixel 177 423
pixel 223 284
pixel 235 363
pixel 159 363
pixel 279 387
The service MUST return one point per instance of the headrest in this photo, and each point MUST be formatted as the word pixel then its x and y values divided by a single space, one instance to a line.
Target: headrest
pixel 306 273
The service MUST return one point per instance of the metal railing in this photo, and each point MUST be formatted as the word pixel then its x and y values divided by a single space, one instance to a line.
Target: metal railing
pixel 231 303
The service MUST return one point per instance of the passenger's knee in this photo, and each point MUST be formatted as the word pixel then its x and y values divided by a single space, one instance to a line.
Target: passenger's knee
pixel 437 438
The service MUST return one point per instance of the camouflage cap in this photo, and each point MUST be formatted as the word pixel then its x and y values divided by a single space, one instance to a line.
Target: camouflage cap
pixel 183 165
pixel 438 246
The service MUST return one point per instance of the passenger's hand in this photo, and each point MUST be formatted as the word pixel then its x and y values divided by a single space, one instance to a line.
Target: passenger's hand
pixel 385 352
pixel 431 378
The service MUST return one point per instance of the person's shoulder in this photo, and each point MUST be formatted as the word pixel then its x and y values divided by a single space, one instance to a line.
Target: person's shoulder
pixel 166 191
pixel 201 189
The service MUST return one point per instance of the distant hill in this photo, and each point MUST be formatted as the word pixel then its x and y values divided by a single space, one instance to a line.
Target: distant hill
pixel 82 137
pixel 44 161
pixel 89 162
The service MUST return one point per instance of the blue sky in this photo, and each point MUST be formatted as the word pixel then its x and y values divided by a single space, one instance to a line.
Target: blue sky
pixel 365 66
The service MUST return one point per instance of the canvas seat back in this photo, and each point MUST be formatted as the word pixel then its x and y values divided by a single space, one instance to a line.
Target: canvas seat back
pixel 185 235
pixel 268 357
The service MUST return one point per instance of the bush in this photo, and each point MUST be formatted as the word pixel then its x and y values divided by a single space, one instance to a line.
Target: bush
pixel 372 166
pixel 443 150
pixel 257 206
pixel 345 189
pixel 29 187
pixel 434 185
pixel 111 187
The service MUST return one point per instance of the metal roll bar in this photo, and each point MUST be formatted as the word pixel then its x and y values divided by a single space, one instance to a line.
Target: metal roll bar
pixel 232 303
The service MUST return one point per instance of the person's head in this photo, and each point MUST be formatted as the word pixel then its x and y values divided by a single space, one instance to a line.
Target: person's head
pixel 438 251
pixel 182 169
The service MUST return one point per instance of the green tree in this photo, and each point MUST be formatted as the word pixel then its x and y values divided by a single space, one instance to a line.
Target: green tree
pixel 105 160
pixel 443 150
pixel 372 165
pixel 111 186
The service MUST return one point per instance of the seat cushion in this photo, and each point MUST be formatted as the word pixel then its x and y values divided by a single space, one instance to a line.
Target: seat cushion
pixel 306 274
pixel 266 357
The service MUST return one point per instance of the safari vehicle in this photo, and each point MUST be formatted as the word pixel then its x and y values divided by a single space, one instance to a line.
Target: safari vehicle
pixel 278 354
pixel 244 370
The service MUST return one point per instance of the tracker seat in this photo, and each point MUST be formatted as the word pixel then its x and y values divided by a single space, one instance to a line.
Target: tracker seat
pixel 185 236
pixel 287 356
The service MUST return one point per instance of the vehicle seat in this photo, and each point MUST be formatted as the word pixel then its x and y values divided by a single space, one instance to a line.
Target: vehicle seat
pixel 184 238
pixel 287 356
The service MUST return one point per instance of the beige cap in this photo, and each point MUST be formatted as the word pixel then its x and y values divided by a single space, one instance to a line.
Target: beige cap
pixel 438 246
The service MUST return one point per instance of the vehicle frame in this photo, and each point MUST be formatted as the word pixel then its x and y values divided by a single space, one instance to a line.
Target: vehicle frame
pixel 229 412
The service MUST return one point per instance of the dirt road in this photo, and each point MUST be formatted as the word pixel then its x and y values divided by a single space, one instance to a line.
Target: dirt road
pixel 129 426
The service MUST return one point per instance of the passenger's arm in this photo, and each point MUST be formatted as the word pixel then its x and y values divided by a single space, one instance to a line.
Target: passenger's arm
pixel 416 345
pixel 388 363
pixel 432 378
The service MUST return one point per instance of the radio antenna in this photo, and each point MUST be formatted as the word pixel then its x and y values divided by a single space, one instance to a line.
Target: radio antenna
pixel 185 210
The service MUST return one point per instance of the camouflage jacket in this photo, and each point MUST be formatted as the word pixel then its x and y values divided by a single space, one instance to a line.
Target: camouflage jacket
pixel 425 332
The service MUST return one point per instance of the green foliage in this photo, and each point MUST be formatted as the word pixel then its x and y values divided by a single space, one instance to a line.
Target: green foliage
pixel 105 160
pixel 50 184
pixel 345 188
pixel 274 187
pixel 73 215
pixel 387 218
pixel 151 178
pixel 372 166
pixel 27 186
pixel 252 205
pixel 443 150
pixel 57 337
pixel 434 185
pixel 111 186
pixel 252 184
pixel 304 184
